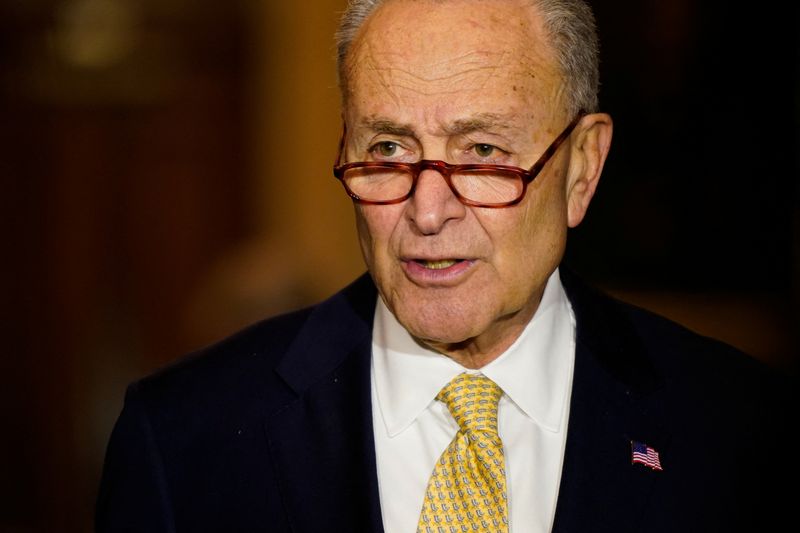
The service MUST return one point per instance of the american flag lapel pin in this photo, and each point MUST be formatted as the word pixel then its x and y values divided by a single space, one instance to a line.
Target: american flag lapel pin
pixel 643 454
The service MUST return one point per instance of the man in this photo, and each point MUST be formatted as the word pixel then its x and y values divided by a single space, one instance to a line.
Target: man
pixel 471 144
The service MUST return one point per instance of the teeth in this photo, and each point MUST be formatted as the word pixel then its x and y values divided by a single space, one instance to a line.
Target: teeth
pixel 438 265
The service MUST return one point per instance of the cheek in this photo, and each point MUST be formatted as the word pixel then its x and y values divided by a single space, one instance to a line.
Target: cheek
pixel 534 240
pixel 547 202
pixel 375 226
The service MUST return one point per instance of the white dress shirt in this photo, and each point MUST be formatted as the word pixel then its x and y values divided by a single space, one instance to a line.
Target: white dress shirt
pixel 412 429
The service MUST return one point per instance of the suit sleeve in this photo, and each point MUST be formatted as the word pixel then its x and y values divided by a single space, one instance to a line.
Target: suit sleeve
pixel 133 495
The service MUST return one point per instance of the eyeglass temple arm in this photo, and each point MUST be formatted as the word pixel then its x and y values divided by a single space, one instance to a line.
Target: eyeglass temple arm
pixel 548 153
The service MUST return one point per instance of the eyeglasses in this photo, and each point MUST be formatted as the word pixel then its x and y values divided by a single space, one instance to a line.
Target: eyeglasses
pixel 388 182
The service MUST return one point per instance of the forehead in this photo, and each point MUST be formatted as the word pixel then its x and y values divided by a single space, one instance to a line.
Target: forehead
pixel 488 56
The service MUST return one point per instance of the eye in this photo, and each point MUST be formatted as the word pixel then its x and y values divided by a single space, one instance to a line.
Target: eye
pixel 385 149
pixel 484 150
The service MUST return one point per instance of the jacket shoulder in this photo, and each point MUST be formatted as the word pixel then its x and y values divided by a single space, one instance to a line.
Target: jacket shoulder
pixel 683 354
pixel 614 327
pixel 220 381
pixel 242 367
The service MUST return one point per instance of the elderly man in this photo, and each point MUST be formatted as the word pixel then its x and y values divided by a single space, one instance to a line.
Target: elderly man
pixel 466 384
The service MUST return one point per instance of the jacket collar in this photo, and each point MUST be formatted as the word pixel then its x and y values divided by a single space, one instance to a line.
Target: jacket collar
pixel 334 330
pixel 322 444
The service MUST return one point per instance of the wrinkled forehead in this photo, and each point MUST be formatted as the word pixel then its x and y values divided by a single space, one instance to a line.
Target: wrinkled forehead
pixel 431 47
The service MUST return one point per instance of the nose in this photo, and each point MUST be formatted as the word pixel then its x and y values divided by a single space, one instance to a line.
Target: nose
pixel 433 203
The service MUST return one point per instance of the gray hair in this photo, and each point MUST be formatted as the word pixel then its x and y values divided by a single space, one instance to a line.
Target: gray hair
pixel 570 27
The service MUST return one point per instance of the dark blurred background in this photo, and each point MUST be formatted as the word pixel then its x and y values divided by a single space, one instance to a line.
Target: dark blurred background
pixel 166 179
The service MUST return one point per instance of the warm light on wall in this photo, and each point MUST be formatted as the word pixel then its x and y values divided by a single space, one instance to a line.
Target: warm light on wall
pixel 95 34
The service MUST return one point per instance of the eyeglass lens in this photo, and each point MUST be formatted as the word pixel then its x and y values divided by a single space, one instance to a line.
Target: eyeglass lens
pixel 383 184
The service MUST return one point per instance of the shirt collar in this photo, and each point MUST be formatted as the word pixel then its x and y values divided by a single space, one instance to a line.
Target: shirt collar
pixel 534 373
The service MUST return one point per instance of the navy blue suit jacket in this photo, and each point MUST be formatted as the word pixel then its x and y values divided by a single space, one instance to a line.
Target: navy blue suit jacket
pixel 271 430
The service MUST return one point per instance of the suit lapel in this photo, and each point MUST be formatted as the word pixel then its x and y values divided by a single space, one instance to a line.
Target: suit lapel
pixel 614 401
pixel 322 444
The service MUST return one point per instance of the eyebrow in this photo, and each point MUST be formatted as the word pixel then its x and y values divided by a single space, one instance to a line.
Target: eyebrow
pixel 477 122
pixel 384 125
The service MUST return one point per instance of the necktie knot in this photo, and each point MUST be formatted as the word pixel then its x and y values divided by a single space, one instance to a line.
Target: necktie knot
pixel 472 400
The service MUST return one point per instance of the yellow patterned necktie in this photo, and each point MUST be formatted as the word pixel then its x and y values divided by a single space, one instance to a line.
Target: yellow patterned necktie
pixel 467 489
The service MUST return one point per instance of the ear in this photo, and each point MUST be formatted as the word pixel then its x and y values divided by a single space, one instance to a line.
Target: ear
pixel 588 155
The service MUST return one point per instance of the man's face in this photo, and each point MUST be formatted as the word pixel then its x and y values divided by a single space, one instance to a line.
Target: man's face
pixel 464 81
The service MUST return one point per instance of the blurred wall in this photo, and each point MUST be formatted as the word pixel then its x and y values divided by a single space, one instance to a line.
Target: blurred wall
pixel 155 198
pixel 166 179
pixel 698 211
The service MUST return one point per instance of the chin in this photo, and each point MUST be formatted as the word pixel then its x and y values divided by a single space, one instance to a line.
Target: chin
pixel 438 323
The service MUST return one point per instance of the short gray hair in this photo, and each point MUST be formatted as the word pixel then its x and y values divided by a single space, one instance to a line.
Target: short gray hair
pixel 571 30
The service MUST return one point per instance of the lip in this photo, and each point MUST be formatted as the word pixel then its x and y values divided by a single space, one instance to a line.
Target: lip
pixel 439 277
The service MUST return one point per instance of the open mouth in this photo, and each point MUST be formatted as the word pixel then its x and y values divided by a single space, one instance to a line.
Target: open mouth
pixel 440 264
pixel 438 272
